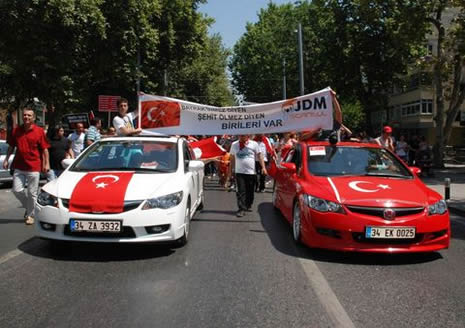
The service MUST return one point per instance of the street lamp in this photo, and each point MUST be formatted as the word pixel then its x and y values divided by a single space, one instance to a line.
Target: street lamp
pixel 301 61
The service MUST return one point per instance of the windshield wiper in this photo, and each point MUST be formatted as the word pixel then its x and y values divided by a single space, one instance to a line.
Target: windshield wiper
pixel 386 175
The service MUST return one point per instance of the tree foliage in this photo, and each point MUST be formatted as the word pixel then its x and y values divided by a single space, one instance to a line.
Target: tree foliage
pixel 357 47
pixel 67 52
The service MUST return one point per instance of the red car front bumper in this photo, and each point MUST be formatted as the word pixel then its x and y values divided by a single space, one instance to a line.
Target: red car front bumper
pixel 346 232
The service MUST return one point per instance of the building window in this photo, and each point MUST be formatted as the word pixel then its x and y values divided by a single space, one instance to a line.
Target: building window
pixel 427 106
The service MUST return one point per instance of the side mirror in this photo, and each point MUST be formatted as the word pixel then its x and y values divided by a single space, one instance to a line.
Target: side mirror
pixel 290 167
pixel 415 170
pixel 67 162
pixel 195 165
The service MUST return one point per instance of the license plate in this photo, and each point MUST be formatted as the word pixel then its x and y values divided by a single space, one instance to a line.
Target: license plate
pixel 94 226
pixel 390 232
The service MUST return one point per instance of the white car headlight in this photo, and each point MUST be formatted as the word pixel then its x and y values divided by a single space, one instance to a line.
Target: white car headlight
pixel 439 207
pixel 163 202
pixel 322 205
pixel 45 199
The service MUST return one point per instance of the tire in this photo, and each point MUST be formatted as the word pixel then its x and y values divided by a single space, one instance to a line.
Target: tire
pixel 187 222
pixel 296 224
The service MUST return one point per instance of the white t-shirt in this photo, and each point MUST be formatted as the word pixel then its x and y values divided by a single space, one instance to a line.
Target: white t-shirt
pixel 77 142
pixel 262 147
pixel 126 121
pixel 245 157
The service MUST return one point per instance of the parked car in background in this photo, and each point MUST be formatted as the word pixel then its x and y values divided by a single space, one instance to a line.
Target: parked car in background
pixel 5 175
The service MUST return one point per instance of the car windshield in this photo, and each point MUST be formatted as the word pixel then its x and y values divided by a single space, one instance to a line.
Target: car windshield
pixel 129 155
pixel 335 160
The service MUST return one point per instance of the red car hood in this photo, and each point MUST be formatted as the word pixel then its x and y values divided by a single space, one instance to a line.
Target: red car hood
pixel 380 192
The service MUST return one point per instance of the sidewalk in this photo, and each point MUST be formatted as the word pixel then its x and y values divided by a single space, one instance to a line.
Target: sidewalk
pixel 456 173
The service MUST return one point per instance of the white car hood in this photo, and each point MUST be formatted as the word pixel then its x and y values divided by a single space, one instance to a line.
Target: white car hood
pixel 141 186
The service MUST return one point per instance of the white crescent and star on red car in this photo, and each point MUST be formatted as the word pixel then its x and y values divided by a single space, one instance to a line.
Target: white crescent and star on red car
pixel 103 184
pixel 355 185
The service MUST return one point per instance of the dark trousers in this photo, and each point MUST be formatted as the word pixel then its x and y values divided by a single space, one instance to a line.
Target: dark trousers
pixel 260 183
pixel 245 190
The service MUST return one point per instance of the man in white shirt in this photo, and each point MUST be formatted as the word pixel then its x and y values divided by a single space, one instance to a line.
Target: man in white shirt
pixel 123 121
pixel 77 139
pixel 386 140
pixel 243 153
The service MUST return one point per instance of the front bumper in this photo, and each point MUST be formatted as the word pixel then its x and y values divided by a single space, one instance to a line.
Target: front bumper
pixel 134 223
pixel 346 232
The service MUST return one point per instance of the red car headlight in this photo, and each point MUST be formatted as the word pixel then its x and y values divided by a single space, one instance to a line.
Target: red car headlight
pixel 439 207
pixel 322 205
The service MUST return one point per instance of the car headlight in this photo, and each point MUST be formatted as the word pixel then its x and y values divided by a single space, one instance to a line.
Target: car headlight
pixel 45 199
pixel 322 205
pixel 163 202
pixel 439 207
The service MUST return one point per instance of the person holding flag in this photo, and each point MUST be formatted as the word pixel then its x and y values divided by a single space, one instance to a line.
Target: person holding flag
pixel 123 122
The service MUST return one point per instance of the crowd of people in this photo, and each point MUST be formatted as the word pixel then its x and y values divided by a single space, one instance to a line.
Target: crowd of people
pixel 243 167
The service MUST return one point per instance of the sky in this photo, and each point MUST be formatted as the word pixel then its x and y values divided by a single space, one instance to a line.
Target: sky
pixel 231 16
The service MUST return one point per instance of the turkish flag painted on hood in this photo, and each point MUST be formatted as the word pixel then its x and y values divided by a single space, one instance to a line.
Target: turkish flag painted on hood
pixel 160 114
pixel 207 148
pixel 100 192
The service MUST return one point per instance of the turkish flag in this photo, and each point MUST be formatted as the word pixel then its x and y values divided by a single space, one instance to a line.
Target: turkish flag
pixel 207 148
pixel 160 114
pixel 100 192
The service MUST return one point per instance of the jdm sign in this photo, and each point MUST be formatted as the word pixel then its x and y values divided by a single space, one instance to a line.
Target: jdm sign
pixel 107 103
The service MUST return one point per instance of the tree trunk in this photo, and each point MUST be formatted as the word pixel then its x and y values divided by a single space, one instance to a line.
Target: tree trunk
pixel 438 149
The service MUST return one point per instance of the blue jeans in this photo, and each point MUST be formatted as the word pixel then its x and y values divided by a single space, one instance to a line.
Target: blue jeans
pixel 53 174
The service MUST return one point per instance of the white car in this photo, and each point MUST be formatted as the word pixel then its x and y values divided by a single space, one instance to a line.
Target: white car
pixel 127 189
pixel 5 175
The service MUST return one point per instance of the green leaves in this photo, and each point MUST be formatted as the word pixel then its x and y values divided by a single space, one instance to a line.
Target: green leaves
pixel 67 52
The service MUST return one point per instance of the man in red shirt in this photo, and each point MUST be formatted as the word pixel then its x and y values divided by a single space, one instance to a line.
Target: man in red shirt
pixel 30 159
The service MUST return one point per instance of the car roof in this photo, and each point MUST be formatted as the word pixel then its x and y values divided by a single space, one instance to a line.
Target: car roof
pixel 143 138
pixel 342 144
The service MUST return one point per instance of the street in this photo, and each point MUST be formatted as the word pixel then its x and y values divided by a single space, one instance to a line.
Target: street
pixel 234 272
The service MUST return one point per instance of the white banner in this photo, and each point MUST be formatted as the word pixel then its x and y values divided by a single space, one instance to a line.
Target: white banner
pixel 163 115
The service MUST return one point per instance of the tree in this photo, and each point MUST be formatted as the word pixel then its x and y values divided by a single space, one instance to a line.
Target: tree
pixel 448 70
pixel 68 52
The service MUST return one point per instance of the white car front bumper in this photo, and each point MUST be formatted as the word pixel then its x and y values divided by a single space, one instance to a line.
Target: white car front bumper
pixel 134 224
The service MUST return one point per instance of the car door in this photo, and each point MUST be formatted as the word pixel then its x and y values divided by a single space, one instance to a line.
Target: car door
pixel 289 180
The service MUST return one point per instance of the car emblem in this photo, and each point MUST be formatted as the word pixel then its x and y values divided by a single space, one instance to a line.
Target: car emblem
pixel 389 214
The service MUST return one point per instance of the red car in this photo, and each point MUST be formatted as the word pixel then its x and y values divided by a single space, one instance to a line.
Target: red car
pixel 351 196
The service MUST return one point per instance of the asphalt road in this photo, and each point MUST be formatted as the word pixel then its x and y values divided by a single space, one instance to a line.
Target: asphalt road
pixel 234 272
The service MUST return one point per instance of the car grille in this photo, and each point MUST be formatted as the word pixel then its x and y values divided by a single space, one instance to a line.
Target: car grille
pixel 360 238
pixel 129 205
pixel 379 211
pixel 127 232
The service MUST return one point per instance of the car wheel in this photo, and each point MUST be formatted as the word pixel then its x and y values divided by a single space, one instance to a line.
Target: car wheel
pixel 296 223
pixel 187 222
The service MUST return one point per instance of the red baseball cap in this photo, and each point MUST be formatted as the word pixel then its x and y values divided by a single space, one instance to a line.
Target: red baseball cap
pixel 387 129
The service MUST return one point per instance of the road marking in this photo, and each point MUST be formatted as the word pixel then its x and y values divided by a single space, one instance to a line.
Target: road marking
pixel 10 255
pixel 328 299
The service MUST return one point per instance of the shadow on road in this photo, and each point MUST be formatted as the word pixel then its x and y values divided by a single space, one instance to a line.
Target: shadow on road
pixel 6 221
pixel 280 234
pixel 93 252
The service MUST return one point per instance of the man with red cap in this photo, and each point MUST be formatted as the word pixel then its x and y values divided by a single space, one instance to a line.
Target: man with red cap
pixel 386 139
